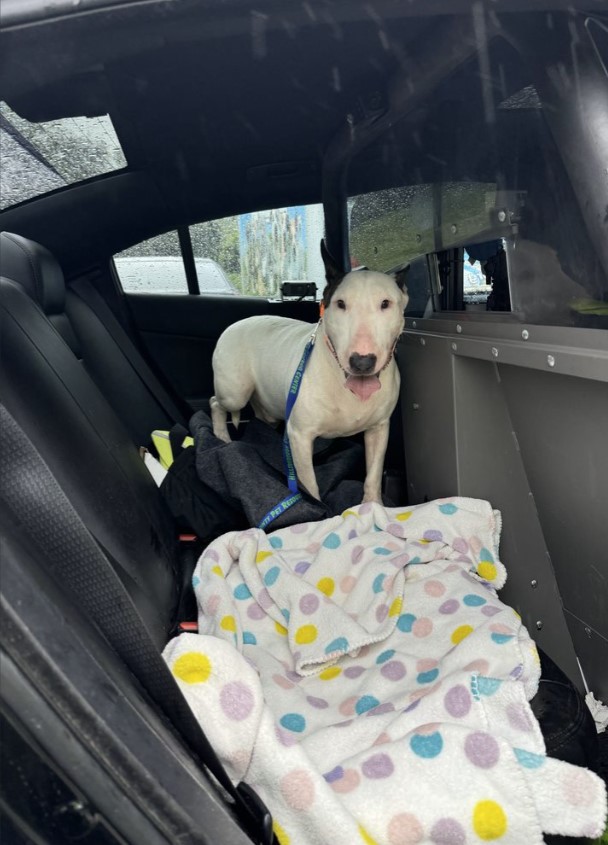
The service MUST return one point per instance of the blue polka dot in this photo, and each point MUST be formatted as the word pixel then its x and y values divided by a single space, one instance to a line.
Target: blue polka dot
pixel 377 527
pixel 405 622
pixel 339 644
pixel 378 582
pixel 428 746
pixel 293 722
pixel 285 613
pixel 365 703
pixel 380 550
pixel 386 655
pixel 448 508
pixel 332 541
pixel 501 639
pixel 484 554
pixel 195 580
pixel 249 638
pixel 415 560
pixel 528 759
pixel 242 592
pixel 471 600
pixel 271 576
pixel 488 686
pixel 427 677
pixel 276 542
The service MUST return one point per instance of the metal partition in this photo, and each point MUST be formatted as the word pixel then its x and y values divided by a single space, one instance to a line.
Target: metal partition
pixel 518 415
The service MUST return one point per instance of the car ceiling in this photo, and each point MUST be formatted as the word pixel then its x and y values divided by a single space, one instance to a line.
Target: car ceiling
pixel 220 108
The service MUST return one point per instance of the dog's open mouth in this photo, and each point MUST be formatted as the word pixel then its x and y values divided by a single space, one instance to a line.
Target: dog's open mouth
pixel 363 386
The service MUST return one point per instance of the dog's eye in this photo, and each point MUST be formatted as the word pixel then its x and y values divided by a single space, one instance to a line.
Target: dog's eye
pixel 385 304
pixel 341 304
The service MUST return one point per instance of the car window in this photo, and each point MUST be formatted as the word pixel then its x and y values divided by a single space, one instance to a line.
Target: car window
pixel 36 158
pixel 152 266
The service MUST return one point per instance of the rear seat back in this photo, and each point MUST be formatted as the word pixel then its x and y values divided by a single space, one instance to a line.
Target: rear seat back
pixel 49 392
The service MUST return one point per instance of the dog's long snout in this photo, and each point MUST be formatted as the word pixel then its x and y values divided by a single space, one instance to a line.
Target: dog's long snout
pixel 362 364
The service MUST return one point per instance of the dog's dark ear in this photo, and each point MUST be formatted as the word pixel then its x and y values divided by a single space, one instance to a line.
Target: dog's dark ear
pixel 333 274
pixel 401 275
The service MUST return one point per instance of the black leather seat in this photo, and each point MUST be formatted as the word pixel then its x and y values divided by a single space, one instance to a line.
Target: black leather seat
pixel 47 387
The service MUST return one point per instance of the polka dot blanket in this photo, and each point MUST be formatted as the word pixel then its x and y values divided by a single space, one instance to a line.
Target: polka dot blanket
pixel 363 676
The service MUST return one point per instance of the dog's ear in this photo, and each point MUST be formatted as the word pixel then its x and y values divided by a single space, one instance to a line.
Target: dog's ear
pixel 333 274
pixel 400 277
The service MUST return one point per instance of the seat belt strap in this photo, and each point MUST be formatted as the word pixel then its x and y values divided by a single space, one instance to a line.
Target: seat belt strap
pixel 34 499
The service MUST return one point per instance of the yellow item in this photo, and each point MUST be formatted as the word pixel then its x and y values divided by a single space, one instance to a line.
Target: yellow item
pixel 163 447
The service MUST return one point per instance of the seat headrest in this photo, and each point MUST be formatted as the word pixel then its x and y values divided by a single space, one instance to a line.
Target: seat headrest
pixel 35 269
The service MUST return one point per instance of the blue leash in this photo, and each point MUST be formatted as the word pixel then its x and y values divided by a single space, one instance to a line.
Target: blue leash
pixel 290 472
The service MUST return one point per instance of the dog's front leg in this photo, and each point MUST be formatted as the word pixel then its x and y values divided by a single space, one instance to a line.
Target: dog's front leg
pixel 301 451
pixel 376 440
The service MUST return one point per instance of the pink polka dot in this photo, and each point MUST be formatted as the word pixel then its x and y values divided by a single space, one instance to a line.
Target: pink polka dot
pixel 286 738
pixel 348 583
pixel 382 739
pixel 350 780
pixel 422 627
pixel 482 666
pixel 237 700
pixel 401 560
pixel 395 529
pixel 347 708
pixel 475 544
pixel 381 612
pixel 365 507
pixel 282 682
pixel 490 610
pixel 298 789
pixel 211 554
pixel 313 548
pixel 499 628
pixel 460 545
pixel 578 789
pixel 422 693
pixel 318 703
pixel 426 664
pixel 212 604
pixel 404 829
pixel 434 588
pixel 394 670
pixel 364 651
pixel 518 717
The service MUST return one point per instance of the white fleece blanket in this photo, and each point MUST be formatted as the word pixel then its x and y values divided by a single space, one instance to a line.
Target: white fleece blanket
pixel 362 675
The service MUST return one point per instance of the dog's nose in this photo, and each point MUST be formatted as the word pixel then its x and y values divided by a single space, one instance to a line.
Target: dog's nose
pixel 362 364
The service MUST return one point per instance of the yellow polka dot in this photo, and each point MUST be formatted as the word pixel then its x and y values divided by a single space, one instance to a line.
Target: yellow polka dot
pixel 262 556
pixel 489 820
pixel 460 633
pixel 217 571
pixel 403 517
pixel 228 623
pixel 280 629
pixel 306 634
pixel 280 833
pixel 486 570
pixel 332 672
pixel 366 837
pixel 424 542
pixel 192 667
pixel 535 654
pixel 395 608
pixel 326 585
pixel 349 513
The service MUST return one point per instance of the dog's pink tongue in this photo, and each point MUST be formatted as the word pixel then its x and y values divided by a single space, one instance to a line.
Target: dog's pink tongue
pixel 362 386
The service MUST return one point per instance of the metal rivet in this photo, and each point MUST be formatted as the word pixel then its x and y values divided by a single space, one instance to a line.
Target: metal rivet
pixel 422 342
pixel 414 324
pixel 415 406
pixel 495 352
pixel 525 334
pixel 454 347
pixel 453 228
pixel 533 583
pixel 459 328
pixel 539 624
pixel 588 631
pixel 550 360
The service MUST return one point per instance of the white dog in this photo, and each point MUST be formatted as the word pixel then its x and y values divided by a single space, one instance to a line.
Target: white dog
pixel 351 380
